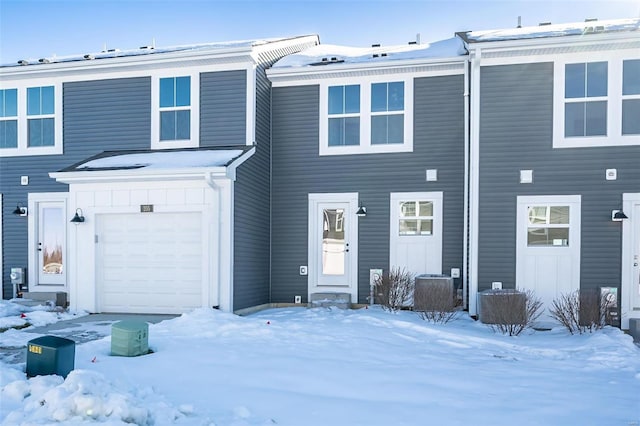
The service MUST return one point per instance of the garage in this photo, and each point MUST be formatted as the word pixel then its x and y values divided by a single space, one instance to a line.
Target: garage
pixel 149 262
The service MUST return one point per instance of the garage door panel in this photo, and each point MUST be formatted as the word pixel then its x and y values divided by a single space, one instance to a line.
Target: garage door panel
pixel 149 263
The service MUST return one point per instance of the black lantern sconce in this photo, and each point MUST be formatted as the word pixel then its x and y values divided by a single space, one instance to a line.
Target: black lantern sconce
pixel 78 218
pixel 362 211
pixel 618 215
pixel 20 210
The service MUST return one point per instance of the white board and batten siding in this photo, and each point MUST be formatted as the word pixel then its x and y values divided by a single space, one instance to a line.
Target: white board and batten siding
pixel 162 261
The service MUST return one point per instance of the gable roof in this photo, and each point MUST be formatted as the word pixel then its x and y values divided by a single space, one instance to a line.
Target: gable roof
pixel 552 31
pixel 216 48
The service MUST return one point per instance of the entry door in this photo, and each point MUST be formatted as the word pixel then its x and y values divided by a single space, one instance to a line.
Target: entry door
pixel 635 264
pixel 416 232
pixel 333 245
pixel 548 246
pixel 51 244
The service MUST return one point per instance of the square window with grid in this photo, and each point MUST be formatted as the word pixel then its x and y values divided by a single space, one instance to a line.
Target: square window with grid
pixel 415 218
pixel 548 226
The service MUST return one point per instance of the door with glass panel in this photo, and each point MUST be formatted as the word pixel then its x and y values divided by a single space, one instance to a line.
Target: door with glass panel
pixel 548 245
pixel 416 232
pixel 333 243
pixel 51 244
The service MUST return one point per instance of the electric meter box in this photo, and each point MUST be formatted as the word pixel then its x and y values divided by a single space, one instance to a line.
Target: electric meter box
pixel 48 355
pixel 129 338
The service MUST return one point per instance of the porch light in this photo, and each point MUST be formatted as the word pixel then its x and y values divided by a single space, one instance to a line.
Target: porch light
pixel 78 218
pixel 362 211
pixel 20 211
pixel 618 215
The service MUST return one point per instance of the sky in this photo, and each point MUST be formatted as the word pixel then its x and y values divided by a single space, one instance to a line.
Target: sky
pixel 33 29
pixel 320 366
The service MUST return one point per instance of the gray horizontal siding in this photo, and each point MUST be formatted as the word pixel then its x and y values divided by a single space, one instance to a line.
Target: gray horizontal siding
pixel 98 116
pixel 223 108
pixel 252 210
pixel 298 170
pixel 516 130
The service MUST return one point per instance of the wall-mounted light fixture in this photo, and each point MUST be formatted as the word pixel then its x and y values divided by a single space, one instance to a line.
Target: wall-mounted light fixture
pixel 78 218
pixel 618 215
pixel 20 210
pixel 362 211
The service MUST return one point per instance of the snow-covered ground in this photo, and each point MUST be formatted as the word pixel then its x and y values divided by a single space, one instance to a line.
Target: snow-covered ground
pixel 323 366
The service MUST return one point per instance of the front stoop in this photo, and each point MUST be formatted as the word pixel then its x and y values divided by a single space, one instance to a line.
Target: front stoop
pixel 326 300
pixel 634 329
pixel 59 298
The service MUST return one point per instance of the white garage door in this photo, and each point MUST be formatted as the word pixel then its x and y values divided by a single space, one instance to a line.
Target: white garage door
pixel 149 262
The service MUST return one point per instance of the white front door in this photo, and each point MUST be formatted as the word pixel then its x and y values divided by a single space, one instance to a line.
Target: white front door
pixel 333 243
pixel 548 246
pixel 630 291
pixel 416 232
pixel 51 244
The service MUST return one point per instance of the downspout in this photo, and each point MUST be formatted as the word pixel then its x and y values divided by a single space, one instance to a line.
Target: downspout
pixel 218 190
pixel 474 178
pixel 465 253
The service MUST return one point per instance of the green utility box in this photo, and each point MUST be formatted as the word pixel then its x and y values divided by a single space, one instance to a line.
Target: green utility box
pixel 129 338
pixel 48 355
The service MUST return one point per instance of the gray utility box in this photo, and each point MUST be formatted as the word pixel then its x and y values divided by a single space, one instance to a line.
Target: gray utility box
pixel 504 306
pixel 433 292
pixel 609 302
pixel 48 355
pixel 129 338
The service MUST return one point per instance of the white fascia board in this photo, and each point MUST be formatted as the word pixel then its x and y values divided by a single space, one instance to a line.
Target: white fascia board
pixel 540 47
pixel 282 76
pixel 180 59
pixel 137 175
pixel 231 168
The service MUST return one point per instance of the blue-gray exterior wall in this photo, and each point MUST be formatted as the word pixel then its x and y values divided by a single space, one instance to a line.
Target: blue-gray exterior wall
pixel 298 170
pixel 516 131
pixel 223 108
pixel 98 115
pixel 251 210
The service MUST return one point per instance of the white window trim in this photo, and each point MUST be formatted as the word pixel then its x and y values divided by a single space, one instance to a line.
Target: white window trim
pixel 614 99
pixel 194 136
pixel 23 149
pixel 365 115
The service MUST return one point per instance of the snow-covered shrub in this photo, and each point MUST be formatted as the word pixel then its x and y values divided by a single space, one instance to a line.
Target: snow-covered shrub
pixel 580 311
pixel 394 289
pixel 436 304
pixel 508 316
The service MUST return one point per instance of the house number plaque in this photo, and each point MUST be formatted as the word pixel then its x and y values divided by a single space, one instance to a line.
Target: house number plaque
pixel 146 208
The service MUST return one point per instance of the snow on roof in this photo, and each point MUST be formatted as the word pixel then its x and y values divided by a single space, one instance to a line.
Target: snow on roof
pixel 326 54
pixel 558 30
pixel 159 160
pixel 148 50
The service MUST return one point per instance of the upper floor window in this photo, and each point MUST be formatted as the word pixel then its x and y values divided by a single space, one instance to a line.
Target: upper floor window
pixel 175 108
pixel 40 116
pixel 30 119
pixel 631 97
pixel 175 117
pixel 370 117
pixel 8 118
pixel 585 92
pixel 597 102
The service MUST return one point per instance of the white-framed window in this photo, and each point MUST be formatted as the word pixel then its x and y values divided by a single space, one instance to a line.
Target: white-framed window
pixel 175 110
pixel 374 115
pixel 415 218
pixel 548 225
pixel 597 100
pixel 31 118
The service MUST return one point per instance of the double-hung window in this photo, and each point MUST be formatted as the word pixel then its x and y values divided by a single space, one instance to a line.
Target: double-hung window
pixel 631 97
pixel 40 116
pixel 344 115
pixel 373 116
pixel 597 100
pixel 31 118
pixel 8 118
pixel 175 117
pixel 585 93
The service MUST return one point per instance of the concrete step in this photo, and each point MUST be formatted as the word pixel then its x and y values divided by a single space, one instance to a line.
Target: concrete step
pixel 325 300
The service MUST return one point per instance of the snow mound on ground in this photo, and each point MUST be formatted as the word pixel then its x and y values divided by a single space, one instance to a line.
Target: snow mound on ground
pixel 84 397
